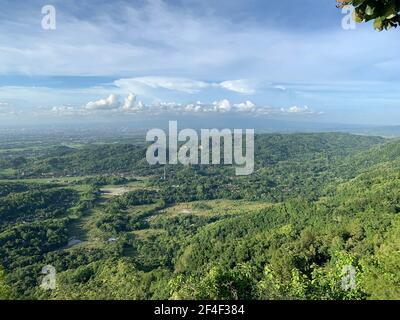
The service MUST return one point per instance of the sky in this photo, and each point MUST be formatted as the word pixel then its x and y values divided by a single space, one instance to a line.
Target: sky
pixel 157 58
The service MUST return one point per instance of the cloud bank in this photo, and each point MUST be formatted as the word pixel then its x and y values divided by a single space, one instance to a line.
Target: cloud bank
pixel 114 104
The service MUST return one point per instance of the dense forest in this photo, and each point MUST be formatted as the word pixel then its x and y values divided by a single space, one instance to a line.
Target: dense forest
pixel 113 227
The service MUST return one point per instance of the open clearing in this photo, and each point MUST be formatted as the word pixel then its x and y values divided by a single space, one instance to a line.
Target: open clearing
pixel 214 208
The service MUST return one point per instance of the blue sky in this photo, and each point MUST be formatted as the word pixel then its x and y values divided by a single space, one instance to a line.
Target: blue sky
pixel 256 58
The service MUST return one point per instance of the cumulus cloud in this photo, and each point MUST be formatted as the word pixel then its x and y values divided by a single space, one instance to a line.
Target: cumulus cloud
pixel 195 107
pixel 112 102
pixel 131 105
pixel 247 106
pixel 222 106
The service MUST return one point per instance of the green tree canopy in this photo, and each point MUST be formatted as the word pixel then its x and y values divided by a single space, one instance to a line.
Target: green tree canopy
pixel 6 292
pixel 384 13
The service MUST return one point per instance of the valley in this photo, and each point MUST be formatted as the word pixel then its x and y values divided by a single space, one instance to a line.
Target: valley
pixel 115 227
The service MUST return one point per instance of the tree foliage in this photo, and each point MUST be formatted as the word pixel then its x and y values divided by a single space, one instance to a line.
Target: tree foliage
pixel 316 205
pixel 384 13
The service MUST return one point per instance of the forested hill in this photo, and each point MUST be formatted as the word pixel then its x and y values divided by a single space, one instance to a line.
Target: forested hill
pixel 115 228
pixel 121 158
pixel 377 155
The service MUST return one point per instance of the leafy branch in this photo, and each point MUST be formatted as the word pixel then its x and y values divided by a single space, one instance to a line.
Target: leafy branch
pixel 384 13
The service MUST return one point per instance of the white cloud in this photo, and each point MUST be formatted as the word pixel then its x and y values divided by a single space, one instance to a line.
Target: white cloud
pixel 195 107
pixel 296 109
pixel 247 106
pixel 130 103
pixel 149 85
pixel 239 86
pixel 164 39
pixel 170 83
pixel 63 110
pixel 280 87
pixel 222 106
pixel 112 102
pixel 185 85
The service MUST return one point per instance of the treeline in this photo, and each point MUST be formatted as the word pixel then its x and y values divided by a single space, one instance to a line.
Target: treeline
pixel 122 158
